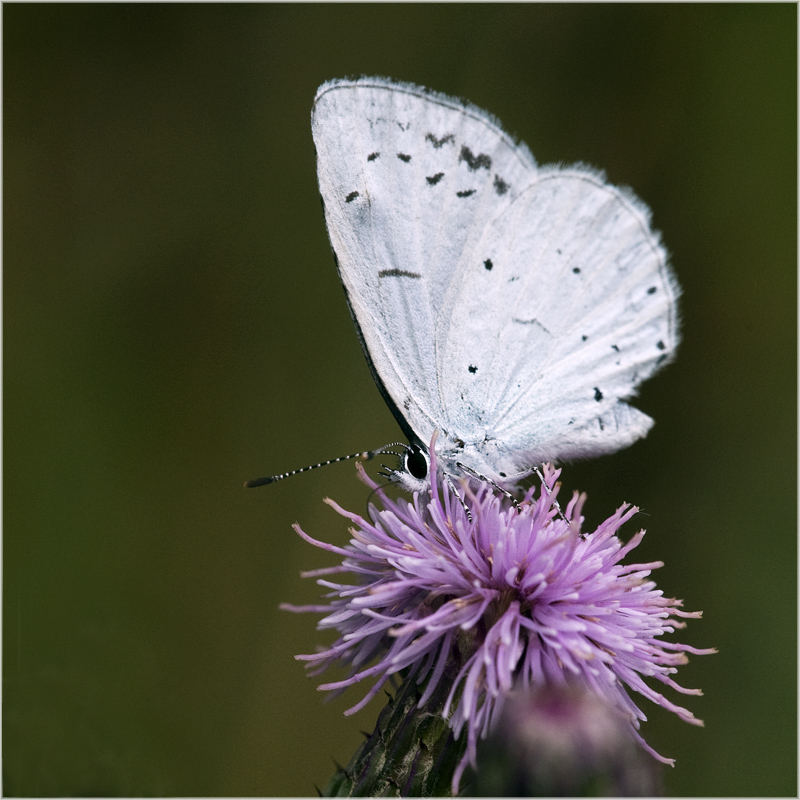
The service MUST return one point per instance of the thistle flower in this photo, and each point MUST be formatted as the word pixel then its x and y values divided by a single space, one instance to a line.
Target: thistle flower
pixel 513 598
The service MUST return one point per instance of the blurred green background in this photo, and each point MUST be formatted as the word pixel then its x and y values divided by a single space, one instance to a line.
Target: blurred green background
pixel 174 324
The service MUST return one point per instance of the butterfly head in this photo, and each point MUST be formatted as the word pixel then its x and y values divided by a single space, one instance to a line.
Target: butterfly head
pixel 414 475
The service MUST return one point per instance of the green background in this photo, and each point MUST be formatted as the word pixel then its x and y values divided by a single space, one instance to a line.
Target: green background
pixel 174 324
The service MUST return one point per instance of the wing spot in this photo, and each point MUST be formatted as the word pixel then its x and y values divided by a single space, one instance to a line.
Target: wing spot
pixel 474 162
pixel 434 179
pixel 352 196
pixel 515 278
pixel 437 143
pixel 472 368
pixel 372 156
pixel 584 338
pixel 466 193
pixel 652 290
pixel 532 321
pixel 598 395
pixel 488 263
pixel 660 345
pixel 576 270
pixel 398 273
pixel 500 186
pixel 614 347
pixel 404 157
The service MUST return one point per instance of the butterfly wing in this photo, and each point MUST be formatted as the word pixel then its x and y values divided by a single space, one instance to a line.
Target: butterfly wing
pixel 410 181
pixel 543 349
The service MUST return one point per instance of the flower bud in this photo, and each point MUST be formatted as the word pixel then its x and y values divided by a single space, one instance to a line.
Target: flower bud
pixel 562 741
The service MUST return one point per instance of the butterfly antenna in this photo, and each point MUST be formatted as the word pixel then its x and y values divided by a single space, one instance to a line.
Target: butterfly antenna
pixel 386 471
pixel 364 456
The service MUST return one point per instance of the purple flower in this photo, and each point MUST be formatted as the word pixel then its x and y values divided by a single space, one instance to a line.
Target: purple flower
pixel 515 597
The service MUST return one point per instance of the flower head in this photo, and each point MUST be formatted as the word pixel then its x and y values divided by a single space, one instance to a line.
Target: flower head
pixel 506 597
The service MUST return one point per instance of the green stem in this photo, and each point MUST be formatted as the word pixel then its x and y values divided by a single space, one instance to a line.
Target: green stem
pixel 411 752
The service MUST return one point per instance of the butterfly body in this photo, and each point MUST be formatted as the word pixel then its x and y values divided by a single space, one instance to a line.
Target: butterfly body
pixel 511 307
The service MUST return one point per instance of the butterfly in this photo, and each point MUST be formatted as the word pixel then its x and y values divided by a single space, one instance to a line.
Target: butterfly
pixel 512 308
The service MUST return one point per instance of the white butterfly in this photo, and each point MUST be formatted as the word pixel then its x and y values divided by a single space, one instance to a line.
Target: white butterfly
pixel 512 308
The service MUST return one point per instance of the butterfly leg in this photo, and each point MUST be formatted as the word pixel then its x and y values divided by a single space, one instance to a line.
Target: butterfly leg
pixel 480 477
pixel 554 500
pixel 460 498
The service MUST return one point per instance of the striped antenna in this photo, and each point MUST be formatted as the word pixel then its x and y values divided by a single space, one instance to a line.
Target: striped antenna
pixel 365 456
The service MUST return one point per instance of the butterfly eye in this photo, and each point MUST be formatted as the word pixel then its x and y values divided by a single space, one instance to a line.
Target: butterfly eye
pixel 416 463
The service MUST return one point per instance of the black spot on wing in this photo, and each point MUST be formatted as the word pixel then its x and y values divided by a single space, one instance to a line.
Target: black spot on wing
pixel 584 338
pixel 434 179
pixel 652 290
pixel 500 186
pixel 576 270
pixel 474 162
pixel 404 157
pixel 472 368
pixel 532 321
pixel 352 196
pixel 660 345
pixel 614 347
pixel 466 193
pixel 372 156
pixel 398 273
pixel 488 263
pixel 598 395
pixel 437 143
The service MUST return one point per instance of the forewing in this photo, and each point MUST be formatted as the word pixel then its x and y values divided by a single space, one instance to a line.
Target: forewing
pixel 410 181
pixel 577 309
